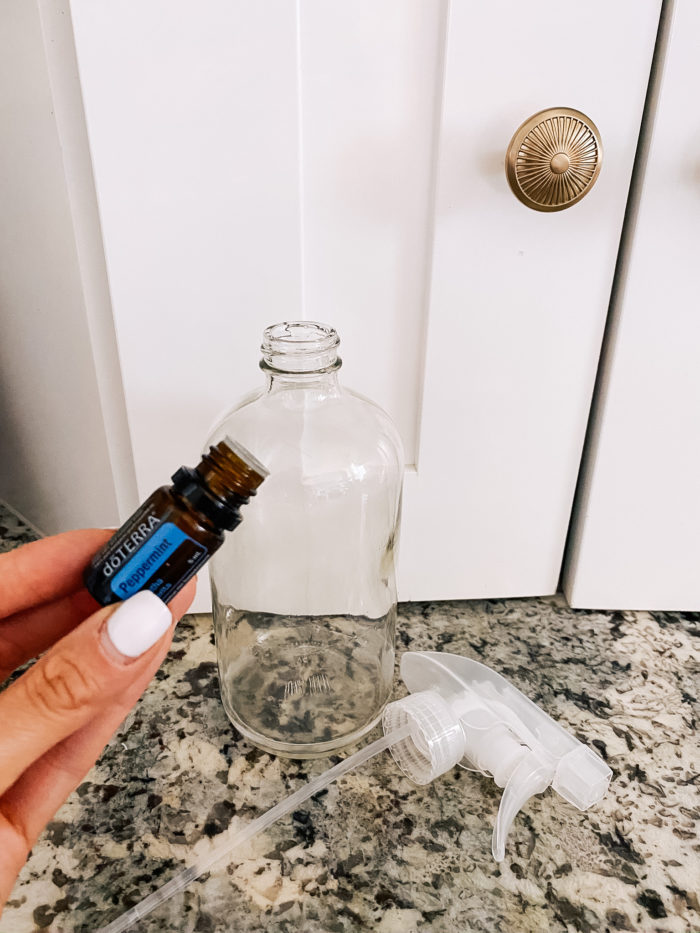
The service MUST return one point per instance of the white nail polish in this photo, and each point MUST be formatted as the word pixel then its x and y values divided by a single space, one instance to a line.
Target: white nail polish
pixel 138 624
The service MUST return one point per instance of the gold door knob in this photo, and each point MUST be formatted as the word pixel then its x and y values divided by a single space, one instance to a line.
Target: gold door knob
pixel 554 159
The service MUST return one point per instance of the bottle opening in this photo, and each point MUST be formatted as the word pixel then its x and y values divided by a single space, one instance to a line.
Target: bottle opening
pixel 300 347
pixel 230 469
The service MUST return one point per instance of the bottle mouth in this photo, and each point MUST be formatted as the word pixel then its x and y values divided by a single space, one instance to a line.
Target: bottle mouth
pixel 300 347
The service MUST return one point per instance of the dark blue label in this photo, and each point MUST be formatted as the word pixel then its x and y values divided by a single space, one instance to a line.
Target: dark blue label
pixel 149 557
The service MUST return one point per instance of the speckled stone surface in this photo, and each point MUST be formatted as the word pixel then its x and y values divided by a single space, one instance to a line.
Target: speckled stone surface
pixel 376 852
pixel 13 530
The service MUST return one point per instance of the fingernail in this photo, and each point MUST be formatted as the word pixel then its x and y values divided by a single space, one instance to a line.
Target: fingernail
pixel 138 623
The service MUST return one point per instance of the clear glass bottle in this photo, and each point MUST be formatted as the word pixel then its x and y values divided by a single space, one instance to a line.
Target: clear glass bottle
pixel 305 593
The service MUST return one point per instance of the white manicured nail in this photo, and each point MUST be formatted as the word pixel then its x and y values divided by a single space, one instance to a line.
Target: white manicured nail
pixel 138 624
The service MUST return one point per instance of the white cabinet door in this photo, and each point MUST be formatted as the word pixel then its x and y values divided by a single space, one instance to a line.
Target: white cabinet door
pixel 518 298
pixel 636 543
pixel 344 162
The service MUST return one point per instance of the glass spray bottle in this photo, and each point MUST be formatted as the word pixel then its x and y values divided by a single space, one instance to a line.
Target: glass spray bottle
pixel 305 594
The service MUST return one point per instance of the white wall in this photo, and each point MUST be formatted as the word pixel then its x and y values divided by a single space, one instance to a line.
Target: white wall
pixel 56 465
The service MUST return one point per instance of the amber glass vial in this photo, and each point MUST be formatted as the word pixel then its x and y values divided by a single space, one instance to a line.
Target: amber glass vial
pixel 178 528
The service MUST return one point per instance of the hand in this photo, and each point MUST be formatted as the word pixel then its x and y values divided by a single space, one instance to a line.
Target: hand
pixel 58 716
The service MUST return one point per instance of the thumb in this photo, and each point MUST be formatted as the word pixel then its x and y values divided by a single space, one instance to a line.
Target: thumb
pixel 86 671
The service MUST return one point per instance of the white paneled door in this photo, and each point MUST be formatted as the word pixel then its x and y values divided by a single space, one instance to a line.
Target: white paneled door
pixel 636 543
pixel 518 297
pixel 344 162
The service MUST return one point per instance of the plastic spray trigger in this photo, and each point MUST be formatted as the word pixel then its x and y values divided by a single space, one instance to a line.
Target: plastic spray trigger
pixel 462 712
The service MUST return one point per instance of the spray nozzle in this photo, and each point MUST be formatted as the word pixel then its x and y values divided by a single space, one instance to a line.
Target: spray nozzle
pixel 462 712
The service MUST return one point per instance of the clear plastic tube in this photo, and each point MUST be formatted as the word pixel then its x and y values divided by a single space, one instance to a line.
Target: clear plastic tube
pixel 185 878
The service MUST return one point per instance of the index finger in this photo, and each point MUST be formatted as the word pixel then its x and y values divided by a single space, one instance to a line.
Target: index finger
pixel 48 569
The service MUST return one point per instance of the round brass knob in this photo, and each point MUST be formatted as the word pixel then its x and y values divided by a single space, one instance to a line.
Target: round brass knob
pixel 554 159
pixel 560 162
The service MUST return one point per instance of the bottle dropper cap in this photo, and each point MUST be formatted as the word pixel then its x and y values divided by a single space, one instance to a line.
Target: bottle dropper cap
pixel 225 478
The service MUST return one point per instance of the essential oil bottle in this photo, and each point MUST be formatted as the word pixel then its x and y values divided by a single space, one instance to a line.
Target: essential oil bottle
pixel 178 528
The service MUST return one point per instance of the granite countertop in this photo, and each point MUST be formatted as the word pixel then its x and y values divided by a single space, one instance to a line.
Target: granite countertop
pixel 375 852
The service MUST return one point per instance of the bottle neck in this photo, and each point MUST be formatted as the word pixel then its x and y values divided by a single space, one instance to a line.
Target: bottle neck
pixel 229 470
pixel 300 354
pixel 223 480
pixel 323 381
pixel 222 514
